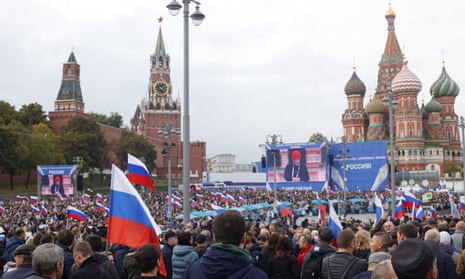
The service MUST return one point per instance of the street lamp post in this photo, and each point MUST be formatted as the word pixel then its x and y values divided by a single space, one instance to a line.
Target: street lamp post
pixel 167 131
pixel 344 154
pixel 197 17
pixel 462 127
pixel 392 105
pixel 275 140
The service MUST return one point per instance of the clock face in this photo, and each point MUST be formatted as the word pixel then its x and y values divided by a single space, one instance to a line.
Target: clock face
pixel 160 88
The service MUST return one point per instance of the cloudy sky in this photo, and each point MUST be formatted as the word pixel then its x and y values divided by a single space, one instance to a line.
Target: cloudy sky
pixel 257 67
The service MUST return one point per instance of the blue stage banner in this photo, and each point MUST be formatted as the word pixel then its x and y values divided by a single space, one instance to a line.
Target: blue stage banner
pixel 366 166
pixel 56 179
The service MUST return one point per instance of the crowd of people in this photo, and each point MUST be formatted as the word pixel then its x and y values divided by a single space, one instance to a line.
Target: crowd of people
pixel 231 244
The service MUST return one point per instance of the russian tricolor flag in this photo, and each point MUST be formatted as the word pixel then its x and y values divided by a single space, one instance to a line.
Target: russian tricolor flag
pixel 138 173
pixel 334 223
pixel 462 205
pixel 400 212
pixel 35 210
pixel 43 210
pixel 130 222
pixel 420 213
pixel 242 200
pixel 98 197
pixel 34 199
pixel 74 213
pixel 434 214
pixel 2 209
pixel 411 200
pixel 21 198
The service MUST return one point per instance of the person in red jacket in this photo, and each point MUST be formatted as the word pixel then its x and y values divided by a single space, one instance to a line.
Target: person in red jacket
pixel 306 245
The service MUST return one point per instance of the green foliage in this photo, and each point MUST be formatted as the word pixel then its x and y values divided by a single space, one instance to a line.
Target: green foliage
pixel 82 137
pixel 32 114
pixel 114 120
pixel 7 113
pixel 451 168
pixel 317 137
pixel 135 145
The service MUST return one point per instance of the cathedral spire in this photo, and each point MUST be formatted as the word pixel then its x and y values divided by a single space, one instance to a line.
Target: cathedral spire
pixel 391 60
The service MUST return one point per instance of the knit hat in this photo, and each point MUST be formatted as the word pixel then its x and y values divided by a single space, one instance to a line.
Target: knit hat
pixel 378 257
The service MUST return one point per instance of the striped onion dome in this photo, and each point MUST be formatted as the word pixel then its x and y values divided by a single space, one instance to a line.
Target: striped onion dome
pixel 444 86
pixel 405 81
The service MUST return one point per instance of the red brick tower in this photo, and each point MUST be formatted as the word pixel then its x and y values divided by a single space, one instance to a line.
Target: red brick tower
pixel 69 102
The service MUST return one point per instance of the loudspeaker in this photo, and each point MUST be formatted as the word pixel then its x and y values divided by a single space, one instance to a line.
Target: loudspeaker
pixel 263 161
pixel 331 159
pixel 80 182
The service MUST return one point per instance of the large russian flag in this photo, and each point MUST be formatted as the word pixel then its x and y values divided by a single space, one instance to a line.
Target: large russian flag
pixel 77 214
pixel 130 222
pixel 138 173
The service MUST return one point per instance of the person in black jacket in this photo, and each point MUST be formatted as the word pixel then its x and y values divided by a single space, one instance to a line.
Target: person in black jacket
pixel 97 248
pixel 88 265
pixel 311 268
pixel 343 264
pixel 171 240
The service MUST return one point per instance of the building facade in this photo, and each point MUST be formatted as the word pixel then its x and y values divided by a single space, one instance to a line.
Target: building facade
pixel 426 136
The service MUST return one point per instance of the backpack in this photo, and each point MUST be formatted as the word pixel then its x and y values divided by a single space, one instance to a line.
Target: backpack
pixel 311 267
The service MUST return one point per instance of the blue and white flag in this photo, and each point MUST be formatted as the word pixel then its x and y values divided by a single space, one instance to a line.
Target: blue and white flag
pixel 334 223
pixel 379 208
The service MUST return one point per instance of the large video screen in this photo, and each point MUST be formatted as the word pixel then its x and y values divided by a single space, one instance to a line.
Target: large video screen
pixel 297 164
pixel 56 179
pixel 366 166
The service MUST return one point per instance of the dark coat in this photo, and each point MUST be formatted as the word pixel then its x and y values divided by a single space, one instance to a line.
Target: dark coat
pixel 22 271
pixel 284 267
pixel 106 265
pixel 11 245
pixel 167 252
pixel 90 269
pixel 119 251
pixel 69 261
pixel 446 266
pixel 319 250
pixel 264 260
pixel 219 263
pixel 337 264
pixel 292 170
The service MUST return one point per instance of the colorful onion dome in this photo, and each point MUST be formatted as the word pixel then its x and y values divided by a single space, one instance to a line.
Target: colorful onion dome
pixel 375 105
pixel 433 106
pixel 444 86
pixel 355 86
pixel 405 81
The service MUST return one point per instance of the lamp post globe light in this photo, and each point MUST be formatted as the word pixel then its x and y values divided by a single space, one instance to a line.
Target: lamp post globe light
pixel 392 105
pixel 271 143
pixel 167 131
pixel 197 17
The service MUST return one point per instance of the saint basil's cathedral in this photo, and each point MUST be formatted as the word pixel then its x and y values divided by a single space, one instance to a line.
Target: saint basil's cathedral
pixel 425 137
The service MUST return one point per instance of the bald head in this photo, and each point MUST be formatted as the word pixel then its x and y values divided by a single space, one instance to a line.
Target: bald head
pixel 433 234
pixel 460 226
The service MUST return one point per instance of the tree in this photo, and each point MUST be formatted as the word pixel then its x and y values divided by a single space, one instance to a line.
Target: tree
pixel 9 152
pixel 32 114
pixel 7 113
pixel 82 137
pixel 135 145
pixel 317 137
pixel 114 120
pixel 451 168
